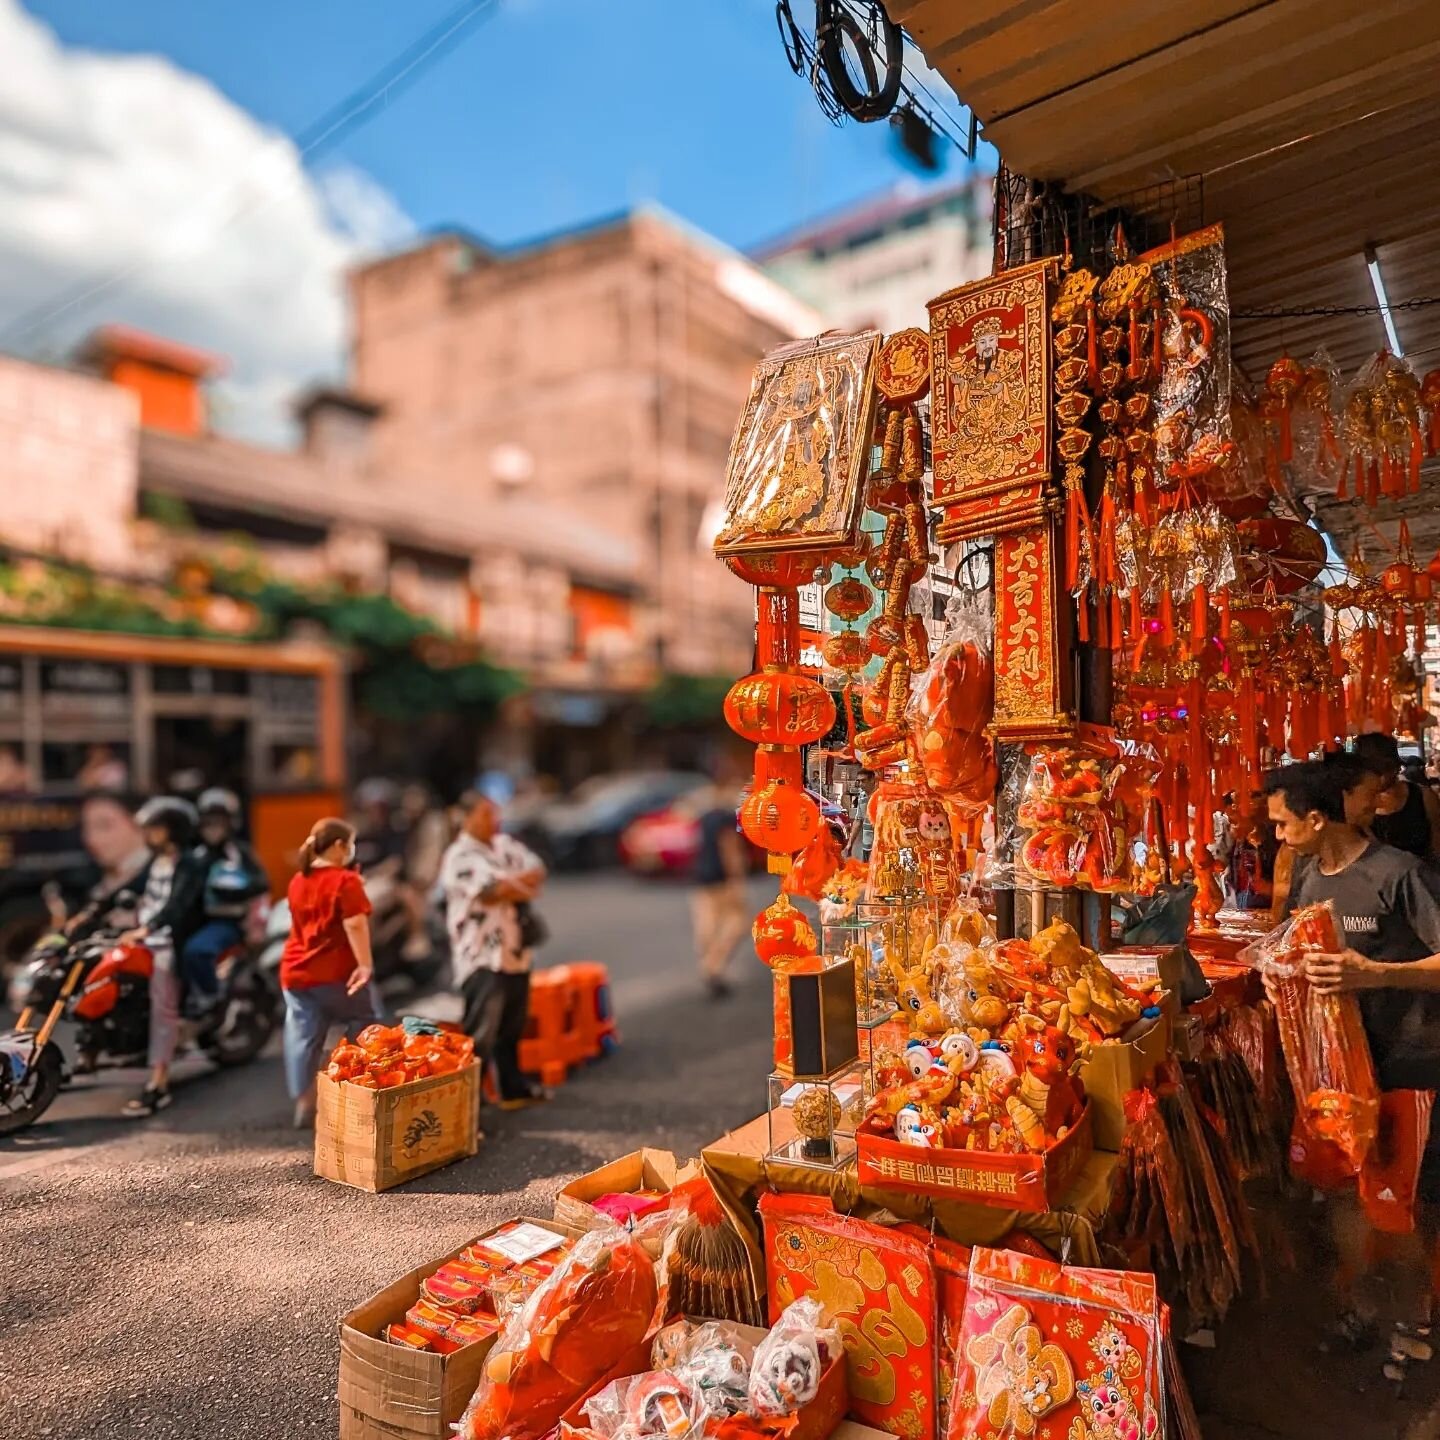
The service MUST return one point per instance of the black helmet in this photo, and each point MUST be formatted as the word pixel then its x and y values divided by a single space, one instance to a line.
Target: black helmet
pixel 218 801
pixel 176 815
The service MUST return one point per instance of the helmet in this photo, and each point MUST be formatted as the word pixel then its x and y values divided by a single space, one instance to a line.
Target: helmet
pixel 218 801
pixel 176 815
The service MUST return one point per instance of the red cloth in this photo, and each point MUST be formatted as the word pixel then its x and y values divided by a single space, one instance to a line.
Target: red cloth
pixel 318 951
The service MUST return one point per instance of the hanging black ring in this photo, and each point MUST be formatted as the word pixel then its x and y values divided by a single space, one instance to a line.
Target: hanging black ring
pixel 834 24
pixel 790 36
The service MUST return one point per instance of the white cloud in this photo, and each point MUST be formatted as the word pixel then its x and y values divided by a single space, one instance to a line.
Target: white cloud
pixel 128 168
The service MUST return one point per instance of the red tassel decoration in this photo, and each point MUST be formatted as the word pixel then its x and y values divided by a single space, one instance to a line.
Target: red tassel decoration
pixel 1117 626
pixel 1287 437
pixel 1199 619
pixel 1224 606
pixel 1137 620
pixel 1082 618
pixel 1158 342
pixel 1134 367
pixel 1073 504
pixel 1415 457
pixel 1167 618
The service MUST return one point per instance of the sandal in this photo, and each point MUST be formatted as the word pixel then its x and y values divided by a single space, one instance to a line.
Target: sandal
pixel 146 1103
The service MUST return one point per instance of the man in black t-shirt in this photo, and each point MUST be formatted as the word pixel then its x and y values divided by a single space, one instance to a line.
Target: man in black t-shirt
pixel 1388 906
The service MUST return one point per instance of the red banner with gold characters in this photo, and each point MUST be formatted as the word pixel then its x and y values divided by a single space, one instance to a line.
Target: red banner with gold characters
pixel 879 1288
pixel 1032 689
pixel 990 393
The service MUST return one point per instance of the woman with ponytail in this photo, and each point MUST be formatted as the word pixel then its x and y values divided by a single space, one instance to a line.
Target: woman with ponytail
pixel 326 968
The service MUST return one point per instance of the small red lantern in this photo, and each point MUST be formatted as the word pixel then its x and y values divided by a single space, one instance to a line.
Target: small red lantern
pixel 779 709
pixel 781 929
pixel 779 818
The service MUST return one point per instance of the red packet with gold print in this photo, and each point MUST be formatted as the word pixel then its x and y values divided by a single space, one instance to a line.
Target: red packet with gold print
pixel 1050 1350
pixel 878 1287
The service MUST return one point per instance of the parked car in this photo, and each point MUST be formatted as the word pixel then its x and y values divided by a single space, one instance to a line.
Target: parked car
pixel 582 832
pixel 667 841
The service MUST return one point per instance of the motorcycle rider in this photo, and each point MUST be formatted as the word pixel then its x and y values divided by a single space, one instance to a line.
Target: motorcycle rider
pixel 234 877
pixel 171 909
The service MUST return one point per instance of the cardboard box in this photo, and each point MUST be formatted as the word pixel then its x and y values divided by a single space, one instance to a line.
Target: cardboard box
pixel 388 1392
pixel 1115 1068
pixel 375 1139
pixel 1028 1182
pixel 656 1170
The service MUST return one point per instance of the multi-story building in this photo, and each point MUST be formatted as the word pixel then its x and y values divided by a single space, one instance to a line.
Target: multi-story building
pixel 578 396
pixel 879 262
pixel 531 454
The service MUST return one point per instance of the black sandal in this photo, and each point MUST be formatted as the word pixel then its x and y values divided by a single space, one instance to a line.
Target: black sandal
pixel 146 1103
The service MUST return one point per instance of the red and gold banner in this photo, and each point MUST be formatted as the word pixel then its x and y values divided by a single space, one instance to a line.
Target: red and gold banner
pixel 1032 687
pixel 990 397
pixel 878 1286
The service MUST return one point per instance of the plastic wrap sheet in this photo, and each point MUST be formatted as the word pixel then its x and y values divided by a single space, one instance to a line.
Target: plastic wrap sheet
pixel 597 1306
pixel 1046 1349
pixel 1322 1037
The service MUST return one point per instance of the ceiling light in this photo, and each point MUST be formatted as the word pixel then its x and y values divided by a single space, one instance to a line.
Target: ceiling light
pixel 1377 280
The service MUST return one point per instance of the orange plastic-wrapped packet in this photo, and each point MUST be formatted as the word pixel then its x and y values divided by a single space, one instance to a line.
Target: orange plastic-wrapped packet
pixel 1323 1040
pixel 597 1306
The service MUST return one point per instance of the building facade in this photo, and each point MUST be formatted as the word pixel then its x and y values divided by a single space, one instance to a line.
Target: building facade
pixel 879 262
pixel 531 454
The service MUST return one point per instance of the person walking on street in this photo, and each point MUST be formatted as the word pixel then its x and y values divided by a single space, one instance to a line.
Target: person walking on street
pixel 326 969
pixel 490 882
pixel 717 905
pixel 172 890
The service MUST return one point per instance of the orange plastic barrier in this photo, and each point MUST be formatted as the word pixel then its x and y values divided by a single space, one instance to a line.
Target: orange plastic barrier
pixel 594 1012
pixel 571 1020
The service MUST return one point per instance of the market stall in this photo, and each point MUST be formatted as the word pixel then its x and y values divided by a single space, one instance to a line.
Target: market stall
pixel 1071 541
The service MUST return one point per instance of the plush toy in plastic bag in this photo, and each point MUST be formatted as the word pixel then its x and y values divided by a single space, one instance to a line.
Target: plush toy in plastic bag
pixel 598 1305
pixel 659 1406
pixel 712 1356
pixel 1322 1037
pixel 790 1361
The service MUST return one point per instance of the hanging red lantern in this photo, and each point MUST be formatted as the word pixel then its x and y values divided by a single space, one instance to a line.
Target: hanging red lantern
pixel 779 708
pixel 781 929
pixel 849 598
pixel 779 818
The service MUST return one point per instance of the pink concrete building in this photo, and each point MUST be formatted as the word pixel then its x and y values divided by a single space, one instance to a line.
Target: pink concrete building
pixel 532 453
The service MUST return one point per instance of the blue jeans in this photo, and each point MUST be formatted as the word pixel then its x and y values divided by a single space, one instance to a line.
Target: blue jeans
pixel 310 1015
pixel 199 954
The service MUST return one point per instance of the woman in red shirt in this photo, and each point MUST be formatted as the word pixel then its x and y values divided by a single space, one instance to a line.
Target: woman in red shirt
pixel 326 967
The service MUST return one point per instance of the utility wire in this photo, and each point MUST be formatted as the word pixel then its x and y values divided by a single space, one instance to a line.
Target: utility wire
pixel 339 122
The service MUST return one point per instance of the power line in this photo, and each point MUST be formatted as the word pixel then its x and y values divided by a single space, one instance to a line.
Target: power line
pixel 390 81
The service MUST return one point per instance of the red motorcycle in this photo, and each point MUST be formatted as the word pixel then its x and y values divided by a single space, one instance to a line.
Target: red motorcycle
pixel 104 989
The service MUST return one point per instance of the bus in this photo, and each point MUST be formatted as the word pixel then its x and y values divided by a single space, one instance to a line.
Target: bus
pixel 86 712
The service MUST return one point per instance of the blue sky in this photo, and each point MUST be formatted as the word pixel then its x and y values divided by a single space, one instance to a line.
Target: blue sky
pixel 552 112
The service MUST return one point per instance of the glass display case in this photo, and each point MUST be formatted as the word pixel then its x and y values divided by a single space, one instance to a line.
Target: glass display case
pixel 813 1122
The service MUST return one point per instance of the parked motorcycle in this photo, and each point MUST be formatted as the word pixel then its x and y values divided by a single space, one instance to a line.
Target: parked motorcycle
pixel 104 988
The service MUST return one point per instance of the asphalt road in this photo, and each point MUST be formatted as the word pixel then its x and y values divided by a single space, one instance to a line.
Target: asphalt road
pixel 183 1276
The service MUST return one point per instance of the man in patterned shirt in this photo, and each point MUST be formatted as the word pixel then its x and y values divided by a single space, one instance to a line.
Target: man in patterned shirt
pixel 489 881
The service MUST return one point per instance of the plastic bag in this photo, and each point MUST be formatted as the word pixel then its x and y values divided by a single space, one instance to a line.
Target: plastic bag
pixel 1322 1037
pixel 913 854
pixel 597 1306
pixel 790 1361
pixel 659 1406
pixel 713 1357
pixel 951 706
pixel 1059 1350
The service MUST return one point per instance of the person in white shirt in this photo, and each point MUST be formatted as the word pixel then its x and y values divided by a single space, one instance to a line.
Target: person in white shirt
pixel 489 882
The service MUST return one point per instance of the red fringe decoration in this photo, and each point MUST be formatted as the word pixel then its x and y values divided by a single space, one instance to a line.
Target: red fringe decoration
pixel 1167 618
pixel 1415 457
pixel 1224 605
pixel 1092 354
pixel 1199 619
